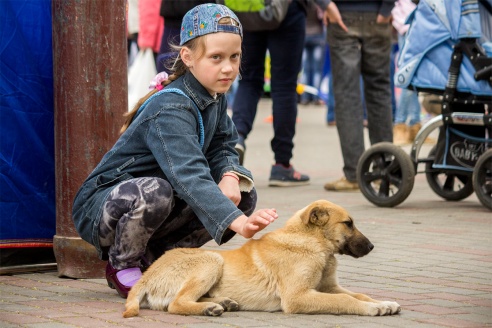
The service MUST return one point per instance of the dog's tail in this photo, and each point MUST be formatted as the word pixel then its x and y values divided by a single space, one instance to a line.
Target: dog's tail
pixel 132 305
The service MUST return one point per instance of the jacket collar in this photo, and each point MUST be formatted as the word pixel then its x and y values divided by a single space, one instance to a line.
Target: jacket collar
pixel 197 92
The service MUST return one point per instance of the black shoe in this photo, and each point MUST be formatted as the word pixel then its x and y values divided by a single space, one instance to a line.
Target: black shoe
pixel 282 176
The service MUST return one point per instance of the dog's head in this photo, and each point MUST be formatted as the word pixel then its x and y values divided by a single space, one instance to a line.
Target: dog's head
pixel 337 227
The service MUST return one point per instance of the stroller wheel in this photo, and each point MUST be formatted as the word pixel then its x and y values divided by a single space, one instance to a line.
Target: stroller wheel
pixel 482 179
pixel 385 174
pixel 448 185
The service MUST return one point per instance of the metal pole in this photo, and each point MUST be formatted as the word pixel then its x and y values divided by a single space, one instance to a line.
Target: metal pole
pixel 90 95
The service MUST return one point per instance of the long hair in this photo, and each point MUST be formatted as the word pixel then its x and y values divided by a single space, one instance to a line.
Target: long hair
pixel 178 68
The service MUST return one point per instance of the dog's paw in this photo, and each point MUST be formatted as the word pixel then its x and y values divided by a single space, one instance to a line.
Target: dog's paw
pixel 213 310
pixel 384 308
pixel 375 309
pixel 230 305
pixel 394 308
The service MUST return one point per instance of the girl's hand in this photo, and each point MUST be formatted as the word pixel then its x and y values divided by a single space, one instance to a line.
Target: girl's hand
pixel 249 226
pixel 229 185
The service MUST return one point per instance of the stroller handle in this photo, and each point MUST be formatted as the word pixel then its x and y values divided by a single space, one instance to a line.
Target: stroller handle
pixel 484 74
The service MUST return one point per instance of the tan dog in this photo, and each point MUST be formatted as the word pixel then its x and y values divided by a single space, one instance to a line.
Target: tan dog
pixel 292 269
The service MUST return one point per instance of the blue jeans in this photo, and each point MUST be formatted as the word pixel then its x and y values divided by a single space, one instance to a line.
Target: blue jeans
pixel 408 106
pixel 408 110
pixel 231 93
pixel 330 100
pixel 364 50
pixel 285 45
pixel 312 63
pixel 330 104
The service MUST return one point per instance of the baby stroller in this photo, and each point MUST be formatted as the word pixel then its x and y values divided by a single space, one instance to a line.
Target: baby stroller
pixel 445 53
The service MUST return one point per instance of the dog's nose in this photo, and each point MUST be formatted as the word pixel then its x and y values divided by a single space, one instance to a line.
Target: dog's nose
pixel 370 246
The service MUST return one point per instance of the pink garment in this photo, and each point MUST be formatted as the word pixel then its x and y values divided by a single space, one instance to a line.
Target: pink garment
pixel 151 26
pixel 400 12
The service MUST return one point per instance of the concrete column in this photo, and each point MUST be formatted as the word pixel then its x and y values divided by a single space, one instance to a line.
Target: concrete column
pixel 90 96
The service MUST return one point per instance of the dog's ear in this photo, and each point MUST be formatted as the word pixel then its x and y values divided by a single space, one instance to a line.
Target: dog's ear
pixel 316 216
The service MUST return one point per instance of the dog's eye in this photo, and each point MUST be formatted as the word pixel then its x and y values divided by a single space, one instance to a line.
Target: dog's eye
pixel 349 224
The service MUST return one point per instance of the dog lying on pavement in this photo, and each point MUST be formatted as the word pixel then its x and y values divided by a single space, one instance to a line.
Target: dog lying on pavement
pixel 292 269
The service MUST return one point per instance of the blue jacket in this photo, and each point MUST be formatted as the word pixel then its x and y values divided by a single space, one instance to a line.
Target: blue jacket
pixel 164 141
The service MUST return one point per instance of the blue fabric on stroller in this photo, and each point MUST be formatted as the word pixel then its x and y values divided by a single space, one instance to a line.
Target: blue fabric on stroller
pixel 444 51
pixel 447 52
pixel 436 26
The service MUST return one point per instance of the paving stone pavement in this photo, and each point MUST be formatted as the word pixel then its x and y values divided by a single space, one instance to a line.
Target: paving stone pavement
pixel 431 256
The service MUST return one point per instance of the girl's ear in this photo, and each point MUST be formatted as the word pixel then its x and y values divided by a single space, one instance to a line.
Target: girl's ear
pixel 186 56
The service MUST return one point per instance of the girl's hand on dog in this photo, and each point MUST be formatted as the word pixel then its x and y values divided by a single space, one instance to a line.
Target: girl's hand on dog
pixel 249 226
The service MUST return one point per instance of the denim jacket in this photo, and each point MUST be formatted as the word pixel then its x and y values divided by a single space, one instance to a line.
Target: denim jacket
pixel 163 141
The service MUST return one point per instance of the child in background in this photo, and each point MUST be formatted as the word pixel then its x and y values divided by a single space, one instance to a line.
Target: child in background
pixel 407 115
pixel 173 178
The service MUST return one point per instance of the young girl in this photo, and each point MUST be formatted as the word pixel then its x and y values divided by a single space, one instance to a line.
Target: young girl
pixel 173 178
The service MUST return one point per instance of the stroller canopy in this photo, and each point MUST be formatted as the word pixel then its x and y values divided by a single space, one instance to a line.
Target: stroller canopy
pixel 435 27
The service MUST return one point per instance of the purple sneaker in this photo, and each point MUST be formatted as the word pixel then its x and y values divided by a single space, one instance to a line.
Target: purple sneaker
pixel 122 280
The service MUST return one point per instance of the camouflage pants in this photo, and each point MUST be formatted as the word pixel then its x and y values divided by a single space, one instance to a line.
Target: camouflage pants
pixel 142 218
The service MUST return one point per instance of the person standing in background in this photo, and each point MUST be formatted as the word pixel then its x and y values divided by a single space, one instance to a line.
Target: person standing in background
pixel 172 11
pixel 407 116
pixel 359 35
pixel 151 26
pixel 285 45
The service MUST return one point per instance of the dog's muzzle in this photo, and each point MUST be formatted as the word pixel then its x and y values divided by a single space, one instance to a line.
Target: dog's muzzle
pixel 357 246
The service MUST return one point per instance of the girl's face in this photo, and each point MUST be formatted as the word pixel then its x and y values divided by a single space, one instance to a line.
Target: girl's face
pixel 218 65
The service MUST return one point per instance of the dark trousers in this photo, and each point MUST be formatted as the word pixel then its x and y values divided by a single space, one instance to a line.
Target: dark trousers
pixel 363 51
pixel 285 45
